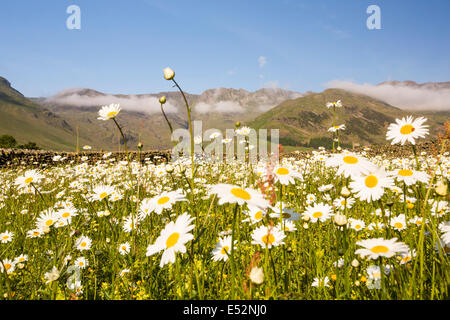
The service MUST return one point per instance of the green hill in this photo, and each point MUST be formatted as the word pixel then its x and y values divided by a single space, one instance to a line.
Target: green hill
pixel 305 121
pixel 28 121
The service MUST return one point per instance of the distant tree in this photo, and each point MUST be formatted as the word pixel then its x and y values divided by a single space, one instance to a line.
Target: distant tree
pixel 29 146
pixel 7 141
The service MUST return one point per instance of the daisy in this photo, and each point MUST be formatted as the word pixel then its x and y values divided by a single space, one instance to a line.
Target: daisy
pixel 349 164
pixel 356 224
pixel 81 262
pixel 407 129
pixel 21 258
pixel 318 282
pixel 35 233
pixel 255 214
pixel 288 226
pixel 46 219
pixel 67 213
pixel 380 247
pixel 244 131
pixel 124 248
pixel 286 175
pixel 370 187
pixel 341 203
pixel 407 256
pixel 410 177
pixel 228 193
pixel 172 239
pixel 130 223
pixel 337 104
pixel 83 243
pixel 109 112
pixel 157 204
pixel 222 249
pixel 102 192
pixel 6 237
pixel 325 188
pixel 336 128
pixel 268 236
pixel 319 211
pixel 30 177
pixel 398 222
pixel 8 265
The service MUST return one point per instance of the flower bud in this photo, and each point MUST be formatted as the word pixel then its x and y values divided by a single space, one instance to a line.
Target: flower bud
pixel 169 168
pixel 140 145
pixel 355 263
pixel 340 219
pixel 168 73
pixel 257 275
pixel 345 192
pixel 237 124
pixel 162 100
pixel 441 188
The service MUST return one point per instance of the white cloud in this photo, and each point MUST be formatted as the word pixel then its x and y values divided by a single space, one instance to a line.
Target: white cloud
pixel 262 61
pixel 403 97
pixel 132 102
pixel 219 107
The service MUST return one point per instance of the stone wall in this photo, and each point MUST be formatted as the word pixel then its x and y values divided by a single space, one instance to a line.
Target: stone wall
pixel 11 158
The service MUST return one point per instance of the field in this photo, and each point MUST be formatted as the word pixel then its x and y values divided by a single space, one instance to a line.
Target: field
pixel 124 230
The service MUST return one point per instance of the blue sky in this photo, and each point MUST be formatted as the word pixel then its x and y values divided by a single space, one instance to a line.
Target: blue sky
pixel 123 46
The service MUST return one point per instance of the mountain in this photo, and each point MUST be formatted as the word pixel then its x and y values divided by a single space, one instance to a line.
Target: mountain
pixel 304 121
pixel 142 120
pixel 413 84
pixel 28 121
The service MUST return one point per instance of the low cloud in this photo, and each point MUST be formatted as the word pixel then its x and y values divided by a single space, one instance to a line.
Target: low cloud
pixel 145 104
pixel 219 107
pixel 272 84
pixel 400 96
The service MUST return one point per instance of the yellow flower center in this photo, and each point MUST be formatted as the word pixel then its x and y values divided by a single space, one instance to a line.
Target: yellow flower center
pixel 410 205
pixel 268 239
pixel 103 194
pixel 65 214
pixel 405 173
pixel 343 202
pixel 83 244
pixel 172 239
pixel 282 171
pixel 350 160
pixel 48 223
pixel 358 226
pixel 112 114
pixel 258 215
pixel 240 193
pixel 317 214
pixel 35 233
pixel 225 250
pixel 163 200
pixel 124 248
pixel 7 266
pixel 398 225
pixel 379 249
pixel 5 237
pixel 29 180
pixel 406 259
pixel 371 181
pixel 407 129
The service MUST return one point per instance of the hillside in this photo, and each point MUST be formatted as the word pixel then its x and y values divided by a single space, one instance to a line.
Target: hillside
pixel 28 121
pixel 307 118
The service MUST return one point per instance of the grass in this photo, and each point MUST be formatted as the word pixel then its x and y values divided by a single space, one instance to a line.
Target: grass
pixel 309 252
